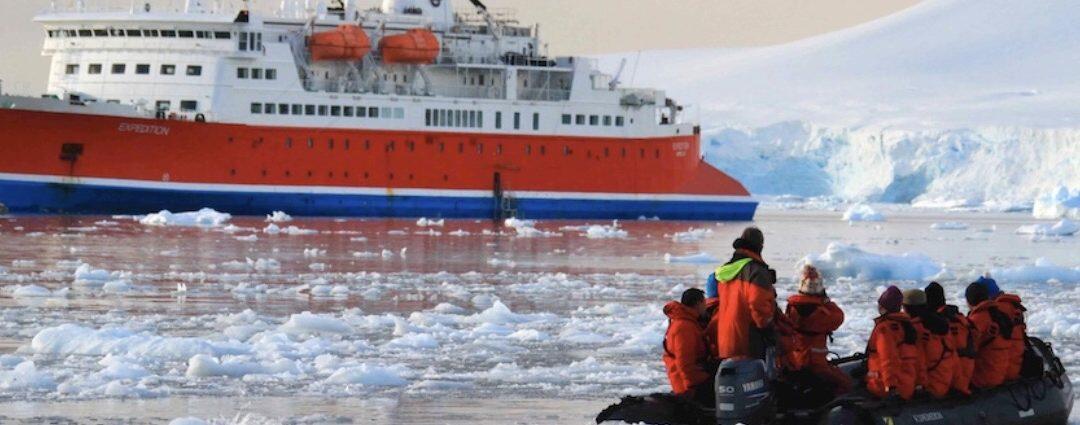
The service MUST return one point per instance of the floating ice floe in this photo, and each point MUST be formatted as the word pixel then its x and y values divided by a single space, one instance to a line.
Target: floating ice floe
pixel 949 225
pixel 35 291
pixel 274 229
pixel 26 377
pixel 370 375
pixel 862 212
pixel 527 228
pixel 205 217
pixel 691 235
pixel 842 260
pixel 249 238
pixel 70 339
pixel 1057 203
pixel 309 323
pixel 699 258
pixel 425 222
pixel 1065 227
pixel 278 217
pixel 606 232
pixel 1042 271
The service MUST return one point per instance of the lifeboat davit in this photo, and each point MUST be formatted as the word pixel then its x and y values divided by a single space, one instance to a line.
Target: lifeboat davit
pixel 415 46
pixel 344 43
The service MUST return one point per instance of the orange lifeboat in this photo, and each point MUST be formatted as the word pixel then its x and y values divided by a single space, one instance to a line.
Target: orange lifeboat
pixel 344 43
pixel 415 46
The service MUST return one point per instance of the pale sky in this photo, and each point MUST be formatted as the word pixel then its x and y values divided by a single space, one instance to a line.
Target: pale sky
pixel 567 26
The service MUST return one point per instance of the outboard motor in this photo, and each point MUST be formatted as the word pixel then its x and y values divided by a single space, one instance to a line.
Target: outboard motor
pixel 743 393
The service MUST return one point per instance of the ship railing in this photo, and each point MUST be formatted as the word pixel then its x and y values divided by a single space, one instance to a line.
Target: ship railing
pixel 546 95
pixel 470 92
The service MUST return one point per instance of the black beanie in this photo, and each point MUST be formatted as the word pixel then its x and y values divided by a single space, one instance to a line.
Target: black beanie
pixel 751 240
pixel 976 294
pixel 691 297
pixel 935 296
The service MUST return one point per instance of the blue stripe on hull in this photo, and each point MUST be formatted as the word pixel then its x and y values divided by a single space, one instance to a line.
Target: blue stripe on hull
pixel 54 198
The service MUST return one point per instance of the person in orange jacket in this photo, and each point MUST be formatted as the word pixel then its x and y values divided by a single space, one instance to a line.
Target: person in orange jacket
pixel 892 356
pixel 935 345
pixel 746 313
pixel 1011 305
pixel 963 336
pixel 814 317
pixel 685 354
pixel 993 327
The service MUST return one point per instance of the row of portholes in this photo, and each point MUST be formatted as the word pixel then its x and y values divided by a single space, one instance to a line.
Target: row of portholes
pixel 330 174
pixel 411 146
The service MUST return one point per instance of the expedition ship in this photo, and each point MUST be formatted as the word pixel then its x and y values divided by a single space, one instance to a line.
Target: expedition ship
pixel 407 109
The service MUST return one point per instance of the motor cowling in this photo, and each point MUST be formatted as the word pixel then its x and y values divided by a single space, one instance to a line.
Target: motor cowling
pixel 744 393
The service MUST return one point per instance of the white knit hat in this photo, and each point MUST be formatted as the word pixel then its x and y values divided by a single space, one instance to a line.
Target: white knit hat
pixel 811 283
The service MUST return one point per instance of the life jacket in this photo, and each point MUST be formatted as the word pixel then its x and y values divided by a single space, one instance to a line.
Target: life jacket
pixel 893 357
pixel 746 310
pixel 684 348
pixel 813 319
pixel 938 355
pixel 993 345
pixel 1011 306
pixel 964 336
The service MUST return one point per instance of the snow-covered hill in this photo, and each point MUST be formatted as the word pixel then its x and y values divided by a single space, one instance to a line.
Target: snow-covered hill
pixel 956 101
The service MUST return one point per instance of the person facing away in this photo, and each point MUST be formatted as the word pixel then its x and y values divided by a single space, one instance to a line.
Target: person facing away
pixel 814 317
pixel 892 356
pixel 992 345
pixel 962 334
pixel 746 311
pixel 935 348
pixel 1013 308
pixel 685 354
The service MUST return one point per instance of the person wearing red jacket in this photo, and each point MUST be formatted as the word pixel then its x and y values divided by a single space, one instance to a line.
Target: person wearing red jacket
pixel 935 345
pixel 963 336
pixel 892 356
pixel 1011 306
pixel 814 317
pixel 746 314
pixel 685 354
pixel 993 327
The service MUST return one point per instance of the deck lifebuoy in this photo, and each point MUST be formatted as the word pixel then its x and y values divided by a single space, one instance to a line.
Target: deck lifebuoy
pixel 200 118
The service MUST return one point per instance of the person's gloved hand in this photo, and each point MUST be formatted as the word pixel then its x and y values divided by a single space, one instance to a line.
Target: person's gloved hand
pixel 893 398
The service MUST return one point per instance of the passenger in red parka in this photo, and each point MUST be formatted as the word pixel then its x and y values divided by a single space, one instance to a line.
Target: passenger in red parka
pixel 993 327
pixel 935 344
pixel 1014 309
pixel 814 317
pixel 962 333
pixel 892 355
pixel 685 354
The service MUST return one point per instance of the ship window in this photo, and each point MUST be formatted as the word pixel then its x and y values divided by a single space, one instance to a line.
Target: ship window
pixel 150 33
pixel 361 112
pixel 269 108
pixel 579 119
pixel 115 32
pixel 186 34
pixel 566 150
pixel 142 69
pixel 85 33
pixel 373 112
pixel 309 109
pixel 94 69
pixel 52 33
pixel 480 119
pixel 335 111
pixel 283 109
pixel 427 117
pixel 322 110
pixel 134 33
pixel 163 105
pixel 194 70
pixel 472 119
pixel 271 74
pixel 567 119
pixel 168 33
pixel 594 120
pixel 256 73
pixel 460 118
pixel 517 120
pixel 347 111
pixel 288 142
pixel 536 120
pixel 607 120
pixel 72 33
pixel 436 119
pixel 297 109
pixel 310 143
pixel 100 33
pixel 498 120
pixel 399 113
pixel 222 35
pixel 203 34
pixel 189 105
pixel 119 68
pixel 242 73
pixel 168 69
pixel 71 69
pixel 619 121
pixel 243 42
pixel 386 113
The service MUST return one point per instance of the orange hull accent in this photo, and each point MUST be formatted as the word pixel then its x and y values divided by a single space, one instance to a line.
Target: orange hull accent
pixel 413 47
pixel 345 43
